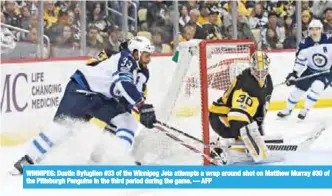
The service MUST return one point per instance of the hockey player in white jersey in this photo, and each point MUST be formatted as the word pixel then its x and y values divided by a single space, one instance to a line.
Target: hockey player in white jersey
pixel 109 90
pixel 314 55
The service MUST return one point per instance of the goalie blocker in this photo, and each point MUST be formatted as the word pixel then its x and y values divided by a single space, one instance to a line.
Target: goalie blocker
pixel 240 112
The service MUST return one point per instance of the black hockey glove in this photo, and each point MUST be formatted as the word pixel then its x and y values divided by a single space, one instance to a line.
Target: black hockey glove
pixel 290 79
pixel 147 115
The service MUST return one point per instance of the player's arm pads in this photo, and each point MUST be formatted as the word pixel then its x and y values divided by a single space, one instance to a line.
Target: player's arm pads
pixel 127 89
pixel 300 63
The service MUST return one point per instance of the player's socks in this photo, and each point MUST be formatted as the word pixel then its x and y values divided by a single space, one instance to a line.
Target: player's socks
pixel 294 97
pixel 313 94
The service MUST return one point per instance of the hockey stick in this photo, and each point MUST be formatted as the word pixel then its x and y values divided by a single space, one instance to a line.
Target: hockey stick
pixel 181 132
pixel 294 147
pixel 304 77
pixel 193 149
pixel 275 141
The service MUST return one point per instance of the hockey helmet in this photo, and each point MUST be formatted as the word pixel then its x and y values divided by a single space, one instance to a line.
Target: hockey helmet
pixel 315 29
pixel 259 66
pixel 141 44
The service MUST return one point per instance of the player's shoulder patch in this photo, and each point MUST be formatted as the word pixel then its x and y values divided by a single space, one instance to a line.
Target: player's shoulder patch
pixel 327 38
pixel 306 43
pixel 126 62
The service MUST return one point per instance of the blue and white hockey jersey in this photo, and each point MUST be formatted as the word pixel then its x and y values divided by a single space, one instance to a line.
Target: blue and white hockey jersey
pixel 316 57
pixel 115 77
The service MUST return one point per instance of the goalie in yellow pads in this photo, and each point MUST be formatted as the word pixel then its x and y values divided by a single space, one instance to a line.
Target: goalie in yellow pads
pixel 240 112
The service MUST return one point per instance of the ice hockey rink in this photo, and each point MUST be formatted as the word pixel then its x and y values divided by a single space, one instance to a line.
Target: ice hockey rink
pixel 320 153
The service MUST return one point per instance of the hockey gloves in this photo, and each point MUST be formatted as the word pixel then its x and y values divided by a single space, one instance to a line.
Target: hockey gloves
pixel 147 115
pixel 291 78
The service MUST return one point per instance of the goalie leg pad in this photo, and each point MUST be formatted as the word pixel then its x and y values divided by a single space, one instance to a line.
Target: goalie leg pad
pixel 254 142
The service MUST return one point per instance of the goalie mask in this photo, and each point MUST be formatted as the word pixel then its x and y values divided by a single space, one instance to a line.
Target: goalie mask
pixel 259 66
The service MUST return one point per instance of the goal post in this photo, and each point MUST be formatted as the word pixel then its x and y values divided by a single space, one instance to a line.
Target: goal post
pixel 204 70
pixel 248 48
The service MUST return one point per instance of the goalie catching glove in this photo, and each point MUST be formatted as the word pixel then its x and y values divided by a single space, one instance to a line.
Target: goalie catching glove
pixel 147 115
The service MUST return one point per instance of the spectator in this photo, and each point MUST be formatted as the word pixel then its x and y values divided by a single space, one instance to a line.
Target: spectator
pixel 273 23
pixel 92 38
pixel 319 7
pixel 168 27
pixel 212 30
pixel 199 31
pixel 272 41
pixel 306 5
pixel 7 41
pixel 327 22
pixel 51 13
pixel 64 5
pixel 288 25
pixel 96 14
pixel 157 40
pixel 290 41
pixel 184 16
pixel 32 23
pixel 32 36
pixel 66 39
pixel 26 17
pixel 192 4
pixel 156 14
pixel 258 18
pixel 12 14
pixel 77 11
pixel 241 8
pixel 187 34
pixel 204 15
pixel 114 39
pixel 243 29
pixel 75 25
pixel 306 18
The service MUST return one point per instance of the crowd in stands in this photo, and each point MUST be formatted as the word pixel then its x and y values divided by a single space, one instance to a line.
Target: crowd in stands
pixel 272 24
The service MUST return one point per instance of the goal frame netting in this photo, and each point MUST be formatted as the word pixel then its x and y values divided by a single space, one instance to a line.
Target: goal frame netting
pixel 204 85
pixel 193 62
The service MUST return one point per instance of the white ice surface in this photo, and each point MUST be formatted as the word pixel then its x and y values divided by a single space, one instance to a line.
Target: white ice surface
pixel 319 154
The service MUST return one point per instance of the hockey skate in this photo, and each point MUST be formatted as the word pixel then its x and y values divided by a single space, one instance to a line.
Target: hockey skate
pixel 218 154
pixel 217 151
pixel 286 112
pixel 303 113
pixel 18 166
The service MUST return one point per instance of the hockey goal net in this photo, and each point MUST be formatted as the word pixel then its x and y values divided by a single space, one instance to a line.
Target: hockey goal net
pixel 203 72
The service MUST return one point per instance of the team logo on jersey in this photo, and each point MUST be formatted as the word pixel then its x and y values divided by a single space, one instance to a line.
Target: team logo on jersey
pixel 319 60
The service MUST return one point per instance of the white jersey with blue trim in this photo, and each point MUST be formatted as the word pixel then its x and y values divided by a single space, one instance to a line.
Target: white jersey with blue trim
pixel 114 77
pixel 315 56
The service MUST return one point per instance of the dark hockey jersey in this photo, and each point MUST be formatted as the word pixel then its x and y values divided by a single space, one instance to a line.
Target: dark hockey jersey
pixel 244 101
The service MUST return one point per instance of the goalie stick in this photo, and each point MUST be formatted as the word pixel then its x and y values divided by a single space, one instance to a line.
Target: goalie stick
pixel 274 141
pixel 304 77
pixel 314 135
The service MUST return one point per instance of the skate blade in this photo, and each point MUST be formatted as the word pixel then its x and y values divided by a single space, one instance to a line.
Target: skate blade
pixel 14 172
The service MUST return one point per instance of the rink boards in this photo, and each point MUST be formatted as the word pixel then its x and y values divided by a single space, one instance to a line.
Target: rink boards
pixel 31 91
